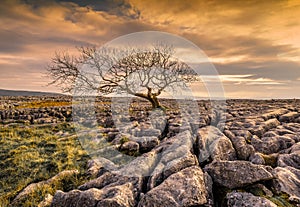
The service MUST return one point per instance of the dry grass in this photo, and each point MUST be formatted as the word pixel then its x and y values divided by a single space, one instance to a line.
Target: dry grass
pixel 32 154
pixel 41 104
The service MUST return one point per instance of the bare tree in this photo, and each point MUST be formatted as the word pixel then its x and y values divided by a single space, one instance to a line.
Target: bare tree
pixel 142 73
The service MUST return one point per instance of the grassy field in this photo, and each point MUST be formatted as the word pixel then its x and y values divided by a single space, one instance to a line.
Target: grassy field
pixel 30 154
pixel 42 104
pixel 34 153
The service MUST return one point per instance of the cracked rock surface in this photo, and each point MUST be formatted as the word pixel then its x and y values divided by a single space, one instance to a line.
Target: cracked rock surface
pixel 188 156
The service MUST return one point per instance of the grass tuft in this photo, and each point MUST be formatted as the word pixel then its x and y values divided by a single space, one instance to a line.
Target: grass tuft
pixel 34 154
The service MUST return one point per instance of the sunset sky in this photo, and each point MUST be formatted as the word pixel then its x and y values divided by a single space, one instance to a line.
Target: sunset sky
pixel 253 44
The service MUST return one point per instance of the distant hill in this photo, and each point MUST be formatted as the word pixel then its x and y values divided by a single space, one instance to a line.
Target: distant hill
pixel 4 92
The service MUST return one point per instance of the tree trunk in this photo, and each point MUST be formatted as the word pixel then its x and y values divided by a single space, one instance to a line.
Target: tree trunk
pixel 151 98
pixel 154 101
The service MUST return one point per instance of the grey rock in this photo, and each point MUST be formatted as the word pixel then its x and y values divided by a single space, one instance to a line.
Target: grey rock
pixel 63 199
pixel 235 174
pixel 34 187
pixel 111 136
pixel 170 157
pixel 271 134
pixel 295 199
pixel 112 179
pixel 146 132
pixel 257 159
pixel 244 199
pixel 184 188
pixel 292 160
pixel 295 148
pixel 274 114
pixel 173 130
pixel 289 117
pixel 269 145
pixel 294 127
pixel 119 196
pixel 76 198
pixel 297 120
pixel 285 142
pixel 243 133
pixel 209 189
pixel 146 143
pixel 130 147
pixel 47 201
pixel 294 136
pixel 109 196
pixel 249 123
pixel 283 131
pixel 134 172
pixel 243 150
pixel 176 153
pixel 212 143
pixel 141 166
pixel 259 130
pixel 229 134
pixel 287 181
pixel 271 123
pixel 195 125
pixel 98 166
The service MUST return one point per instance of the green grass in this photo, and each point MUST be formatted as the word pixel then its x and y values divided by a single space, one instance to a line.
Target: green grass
pixel 30 154
pixel 124 139
pixel 281 200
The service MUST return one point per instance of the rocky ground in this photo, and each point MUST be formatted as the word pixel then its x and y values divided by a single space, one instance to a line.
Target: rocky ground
pixel 247 154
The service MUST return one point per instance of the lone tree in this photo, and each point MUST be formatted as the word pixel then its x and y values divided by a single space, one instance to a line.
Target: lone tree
pixel 138 72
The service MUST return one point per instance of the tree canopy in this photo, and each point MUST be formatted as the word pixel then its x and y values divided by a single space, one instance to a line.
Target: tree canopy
pixel 144 73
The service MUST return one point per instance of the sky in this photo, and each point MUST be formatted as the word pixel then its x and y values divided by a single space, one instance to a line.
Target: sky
pixel 254 45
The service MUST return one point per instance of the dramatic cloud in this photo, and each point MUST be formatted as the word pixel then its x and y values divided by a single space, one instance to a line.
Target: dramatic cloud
pixel 253 44
pixel 240 79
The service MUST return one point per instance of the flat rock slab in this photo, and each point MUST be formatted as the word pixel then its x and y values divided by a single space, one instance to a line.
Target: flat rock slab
pixel 236 174
pixel 184 188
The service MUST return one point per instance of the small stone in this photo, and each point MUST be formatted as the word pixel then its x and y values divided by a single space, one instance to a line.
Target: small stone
pixel 130 147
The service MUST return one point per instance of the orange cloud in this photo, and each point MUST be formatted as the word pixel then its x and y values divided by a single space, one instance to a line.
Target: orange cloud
pixel 240 37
